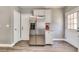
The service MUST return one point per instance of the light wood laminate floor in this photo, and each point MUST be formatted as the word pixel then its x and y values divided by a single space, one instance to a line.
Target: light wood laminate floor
pixel 58 46
pixel 37 40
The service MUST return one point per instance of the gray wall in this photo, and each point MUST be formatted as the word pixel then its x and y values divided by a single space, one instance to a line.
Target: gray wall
pixel 6 18
pixel 57 23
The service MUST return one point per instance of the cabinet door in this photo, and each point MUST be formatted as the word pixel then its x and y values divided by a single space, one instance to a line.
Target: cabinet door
pixel 48 16
pixel 48 37
pixel 36 12
pixel 39 12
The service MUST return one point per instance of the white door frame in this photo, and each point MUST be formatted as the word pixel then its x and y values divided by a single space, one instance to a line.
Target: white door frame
pixel 16 26
pixel 25 26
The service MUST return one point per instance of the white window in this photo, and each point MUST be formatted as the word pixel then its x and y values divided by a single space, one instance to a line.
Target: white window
pixel 72 21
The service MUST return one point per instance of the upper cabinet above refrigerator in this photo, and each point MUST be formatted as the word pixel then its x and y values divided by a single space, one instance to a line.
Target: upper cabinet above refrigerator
pixel 43 13
pixel 39 12
pixel 48 16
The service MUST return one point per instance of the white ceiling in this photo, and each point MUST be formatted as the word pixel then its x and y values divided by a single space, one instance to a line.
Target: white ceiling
pixel 54 6
pixel 24 7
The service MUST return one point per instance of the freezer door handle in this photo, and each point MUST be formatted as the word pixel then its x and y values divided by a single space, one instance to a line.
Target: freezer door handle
pixel 22 27
pixel 15 29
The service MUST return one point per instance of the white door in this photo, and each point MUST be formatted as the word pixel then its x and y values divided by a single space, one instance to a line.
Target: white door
pixel 16 26
pixel 25 26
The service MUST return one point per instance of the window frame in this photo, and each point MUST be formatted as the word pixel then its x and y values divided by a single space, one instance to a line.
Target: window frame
pixel 70 19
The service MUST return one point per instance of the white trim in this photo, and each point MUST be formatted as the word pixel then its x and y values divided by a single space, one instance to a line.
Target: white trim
pixel 59 39
pixel 8 45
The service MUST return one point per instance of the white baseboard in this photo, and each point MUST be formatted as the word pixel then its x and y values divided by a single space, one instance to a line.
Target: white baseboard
pixel 59 39
pixel 8 45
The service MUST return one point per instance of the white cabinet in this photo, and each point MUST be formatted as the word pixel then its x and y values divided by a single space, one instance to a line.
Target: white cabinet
pixel 45 12
pixel 48 37
pixel 48 16
pixel 39 12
